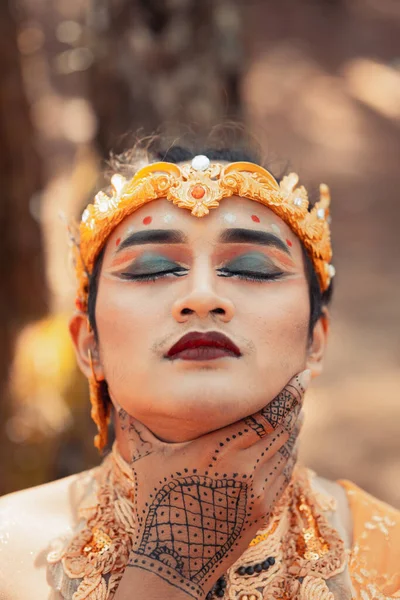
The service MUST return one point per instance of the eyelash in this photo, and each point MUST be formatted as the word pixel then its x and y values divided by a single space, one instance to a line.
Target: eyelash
pixel 247 275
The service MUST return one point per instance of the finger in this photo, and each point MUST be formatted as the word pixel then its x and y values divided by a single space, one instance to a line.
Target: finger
pixel 294 420
pixel 290 441
pixel 283 457
pixel 285 474
pixel 273 484
pixel 282 410
pixel 292 444
pixel 274 413
pixel 270 452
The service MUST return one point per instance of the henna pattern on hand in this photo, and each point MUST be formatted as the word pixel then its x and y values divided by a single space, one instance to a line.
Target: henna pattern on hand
pixel 288 470
pixel 287 449
pixel 190 521
pixel 191 524
pixel 279 410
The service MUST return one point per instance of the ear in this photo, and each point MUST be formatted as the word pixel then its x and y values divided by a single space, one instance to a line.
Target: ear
pixel 84 342
pixel 316 349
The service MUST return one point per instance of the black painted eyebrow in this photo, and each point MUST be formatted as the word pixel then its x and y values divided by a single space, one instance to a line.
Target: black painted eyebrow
pixel 154 236
pixel 228 236
pixel 252 236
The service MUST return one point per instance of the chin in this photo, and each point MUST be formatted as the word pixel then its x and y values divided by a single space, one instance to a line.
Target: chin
pixel 188 420
pixel 184 433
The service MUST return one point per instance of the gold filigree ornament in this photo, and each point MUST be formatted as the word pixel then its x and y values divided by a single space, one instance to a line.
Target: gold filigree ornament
pixel 199 186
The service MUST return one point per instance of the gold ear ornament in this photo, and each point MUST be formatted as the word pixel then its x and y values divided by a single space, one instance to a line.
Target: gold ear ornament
pixel 99 412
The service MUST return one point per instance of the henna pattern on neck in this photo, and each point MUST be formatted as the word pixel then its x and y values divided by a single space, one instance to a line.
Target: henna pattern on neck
pixel 139 447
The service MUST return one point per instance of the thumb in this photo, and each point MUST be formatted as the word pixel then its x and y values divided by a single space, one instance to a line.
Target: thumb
pixel 280 411
pixel 276 412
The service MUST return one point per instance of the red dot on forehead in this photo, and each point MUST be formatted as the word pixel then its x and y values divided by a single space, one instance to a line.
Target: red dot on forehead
pixel 147 220
pixel 289 243
pixel 255 218
pixel 117 243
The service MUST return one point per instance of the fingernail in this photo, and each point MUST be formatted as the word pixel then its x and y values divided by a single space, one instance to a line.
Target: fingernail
pixel 305 378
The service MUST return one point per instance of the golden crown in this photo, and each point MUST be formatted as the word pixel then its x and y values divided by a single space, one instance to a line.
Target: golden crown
pixel 200 186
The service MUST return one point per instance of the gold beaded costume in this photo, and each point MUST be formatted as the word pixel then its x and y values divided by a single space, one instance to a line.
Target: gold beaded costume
pixel 303 550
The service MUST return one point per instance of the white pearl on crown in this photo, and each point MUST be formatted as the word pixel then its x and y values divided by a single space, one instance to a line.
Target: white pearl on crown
pixel 200 162
pixel 297 202
pixel 331 271
pixel 321 213
pixel 85 215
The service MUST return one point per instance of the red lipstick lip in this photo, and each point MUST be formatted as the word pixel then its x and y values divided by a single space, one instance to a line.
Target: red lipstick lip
pixel 196 339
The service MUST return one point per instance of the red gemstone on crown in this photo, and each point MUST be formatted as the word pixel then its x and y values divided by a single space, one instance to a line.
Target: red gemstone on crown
pixel 198 192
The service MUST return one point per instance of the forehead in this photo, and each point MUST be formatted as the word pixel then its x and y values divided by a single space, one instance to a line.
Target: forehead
pixel 232 212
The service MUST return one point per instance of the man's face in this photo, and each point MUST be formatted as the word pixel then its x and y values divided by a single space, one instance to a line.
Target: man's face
pixel 252 290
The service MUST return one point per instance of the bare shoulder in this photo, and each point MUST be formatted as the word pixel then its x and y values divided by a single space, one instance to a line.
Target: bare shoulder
pixel 29 521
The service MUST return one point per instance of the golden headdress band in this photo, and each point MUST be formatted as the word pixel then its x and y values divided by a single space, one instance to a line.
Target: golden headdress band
pixel 200 186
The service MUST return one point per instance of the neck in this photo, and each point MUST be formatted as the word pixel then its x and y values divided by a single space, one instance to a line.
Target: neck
pixel 133 439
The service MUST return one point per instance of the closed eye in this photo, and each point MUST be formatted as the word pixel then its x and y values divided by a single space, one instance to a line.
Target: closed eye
pixel 252 275
pixel 247 275
pixel 153 276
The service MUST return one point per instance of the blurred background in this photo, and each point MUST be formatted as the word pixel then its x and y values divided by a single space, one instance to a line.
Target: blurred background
pixel 317 83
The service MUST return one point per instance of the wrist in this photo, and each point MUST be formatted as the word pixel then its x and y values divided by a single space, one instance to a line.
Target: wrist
pixel 140 584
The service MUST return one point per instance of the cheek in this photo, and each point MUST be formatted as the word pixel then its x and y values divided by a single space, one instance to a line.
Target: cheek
pixel 281 326
pixel 125 322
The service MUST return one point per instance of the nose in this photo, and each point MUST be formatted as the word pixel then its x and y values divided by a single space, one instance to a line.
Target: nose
pixel 202 300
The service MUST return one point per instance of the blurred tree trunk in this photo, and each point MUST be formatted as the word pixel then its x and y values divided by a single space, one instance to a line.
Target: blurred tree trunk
pixel 22 282
pixel 155 64
pixel 171 64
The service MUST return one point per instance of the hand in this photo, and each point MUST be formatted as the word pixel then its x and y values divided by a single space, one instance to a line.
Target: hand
pixel 199 503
